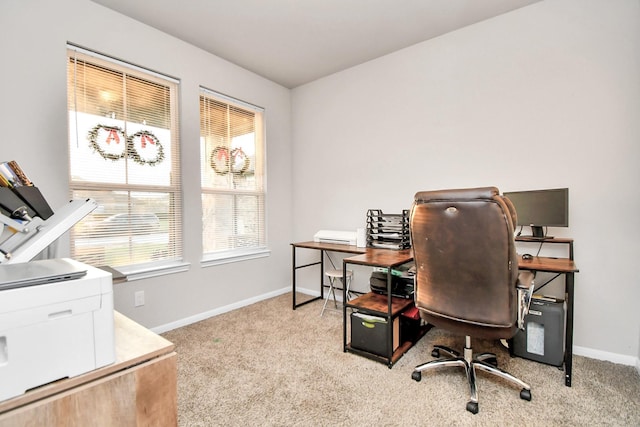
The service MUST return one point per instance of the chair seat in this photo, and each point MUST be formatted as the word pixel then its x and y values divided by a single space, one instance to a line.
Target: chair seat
pixel 337 273
pixel 333 275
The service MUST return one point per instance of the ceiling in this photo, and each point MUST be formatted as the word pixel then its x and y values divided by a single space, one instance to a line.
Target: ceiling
pixel 293 42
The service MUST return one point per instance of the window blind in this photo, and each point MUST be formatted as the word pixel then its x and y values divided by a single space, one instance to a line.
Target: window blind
pixel 233 176
pixel 124 153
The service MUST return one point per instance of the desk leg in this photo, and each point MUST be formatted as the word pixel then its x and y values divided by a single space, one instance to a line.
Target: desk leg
pixel 322 274
pixel 293 274
pixel 389 319
pixel 344 308
pixel 568 352
pixel 294 269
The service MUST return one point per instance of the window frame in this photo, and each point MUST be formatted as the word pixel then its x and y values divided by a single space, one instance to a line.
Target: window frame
pixel 173 189
pixel 236 254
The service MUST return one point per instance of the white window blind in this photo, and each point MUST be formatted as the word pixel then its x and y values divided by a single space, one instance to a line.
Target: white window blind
pixel 123 152
pixel 233 176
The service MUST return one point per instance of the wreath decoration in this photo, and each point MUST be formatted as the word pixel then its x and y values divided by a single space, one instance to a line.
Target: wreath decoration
pixel 223 162
pixel 131 148
pixel 144 137
pixel 115 133
pixel 239 161
pixel 220 160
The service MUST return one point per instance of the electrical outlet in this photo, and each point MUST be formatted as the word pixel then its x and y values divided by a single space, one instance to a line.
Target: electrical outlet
pixel 138 298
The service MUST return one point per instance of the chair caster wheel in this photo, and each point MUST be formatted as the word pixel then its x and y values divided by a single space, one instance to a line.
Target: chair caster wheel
pixel 435 353
pixel 472 407
pixel 525 394
pixel 416 376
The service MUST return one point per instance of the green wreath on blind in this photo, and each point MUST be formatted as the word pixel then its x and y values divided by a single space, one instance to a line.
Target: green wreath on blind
pixel 129 149
pixel 145 137
pixel 115 133
pixel 223 162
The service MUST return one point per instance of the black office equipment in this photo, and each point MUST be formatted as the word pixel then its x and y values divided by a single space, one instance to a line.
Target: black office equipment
pixel 401 285
pixel 542 338
pixel 388 231
pixel 541 208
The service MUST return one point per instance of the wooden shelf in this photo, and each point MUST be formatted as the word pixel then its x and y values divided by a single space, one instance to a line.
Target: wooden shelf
pixel 379 303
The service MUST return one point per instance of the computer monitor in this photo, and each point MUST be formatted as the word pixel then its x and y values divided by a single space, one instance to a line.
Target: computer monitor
pixel 541 208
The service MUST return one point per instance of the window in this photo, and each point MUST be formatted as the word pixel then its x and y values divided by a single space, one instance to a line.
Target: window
pixel 123 153
pixel 232 171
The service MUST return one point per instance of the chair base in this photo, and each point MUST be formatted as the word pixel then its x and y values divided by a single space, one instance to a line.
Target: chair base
pixel 485 361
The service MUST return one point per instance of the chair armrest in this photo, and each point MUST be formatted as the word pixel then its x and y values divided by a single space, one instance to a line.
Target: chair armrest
pixel 525 279
pixel 525 287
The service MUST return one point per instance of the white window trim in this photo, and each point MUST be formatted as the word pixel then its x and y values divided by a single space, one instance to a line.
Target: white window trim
pixel 155 271
pixel 227 257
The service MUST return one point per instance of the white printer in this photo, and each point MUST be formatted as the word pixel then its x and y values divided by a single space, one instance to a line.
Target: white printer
pixel 56 321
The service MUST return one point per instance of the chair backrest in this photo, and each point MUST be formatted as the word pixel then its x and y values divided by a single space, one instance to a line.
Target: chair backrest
pixel 466 262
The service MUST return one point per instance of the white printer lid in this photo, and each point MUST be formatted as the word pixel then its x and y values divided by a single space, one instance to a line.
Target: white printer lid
pixel 39 272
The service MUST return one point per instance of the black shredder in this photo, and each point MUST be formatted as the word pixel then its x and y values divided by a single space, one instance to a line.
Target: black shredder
pixel 543 337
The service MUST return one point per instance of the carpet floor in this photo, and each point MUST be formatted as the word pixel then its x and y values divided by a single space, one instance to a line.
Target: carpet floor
pixel 269 365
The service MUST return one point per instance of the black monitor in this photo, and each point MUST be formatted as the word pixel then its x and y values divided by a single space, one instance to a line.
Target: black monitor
pixel 541 208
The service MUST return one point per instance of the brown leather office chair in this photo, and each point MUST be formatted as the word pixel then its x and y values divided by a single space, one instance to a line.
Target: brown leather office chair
pixel 467 279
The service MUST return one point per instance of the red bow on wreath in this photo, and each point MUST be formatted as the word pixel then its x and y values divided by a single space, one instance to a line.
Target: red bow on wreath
pixel 132 149
pixel 222 161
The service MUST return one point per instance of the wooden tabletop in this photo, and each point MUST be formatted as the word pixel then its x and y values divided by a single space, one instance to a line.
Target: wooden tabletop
pixel 390 258
pixel 335 247
pixel 548 264
pixel 382 257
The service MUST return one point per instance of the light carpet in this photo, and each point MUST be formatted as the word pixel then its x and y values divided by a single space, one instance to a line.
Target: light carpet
pixel 266 364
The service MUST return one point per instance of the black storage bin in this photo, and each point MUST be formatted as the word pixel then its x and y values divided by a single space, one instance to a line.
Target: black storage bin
pixel 369 333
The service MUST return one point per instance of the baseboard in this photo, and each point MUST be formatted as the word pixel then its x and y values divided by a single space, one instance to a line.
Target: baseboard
pixel 305 291
pixel 315 293
pixel 220 310
pixel 608 356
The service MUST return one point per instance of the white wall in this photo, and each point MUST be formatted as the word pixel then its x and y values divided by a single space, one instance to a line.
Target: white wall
pixel 546 96
pixel 33 122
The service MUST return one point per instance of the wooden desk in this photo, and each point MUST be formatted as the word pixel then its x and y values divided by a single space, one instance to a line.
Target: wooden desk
pixel 322 247
pixel 139 388
pixel 559 266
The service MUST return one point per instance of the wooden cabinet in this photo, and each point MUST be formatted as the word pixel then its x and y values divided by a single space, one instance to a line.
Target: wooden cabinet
pixel 139 389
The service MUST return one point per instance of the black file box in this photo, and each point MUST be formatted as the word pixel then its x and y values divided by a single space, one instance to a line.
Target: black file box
pixel 543 337
pixel 369 333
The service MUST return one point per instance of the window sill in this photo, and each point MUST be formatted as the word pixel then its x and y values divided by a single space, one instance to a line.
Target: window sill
pixel 210 260
pixel 158 270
